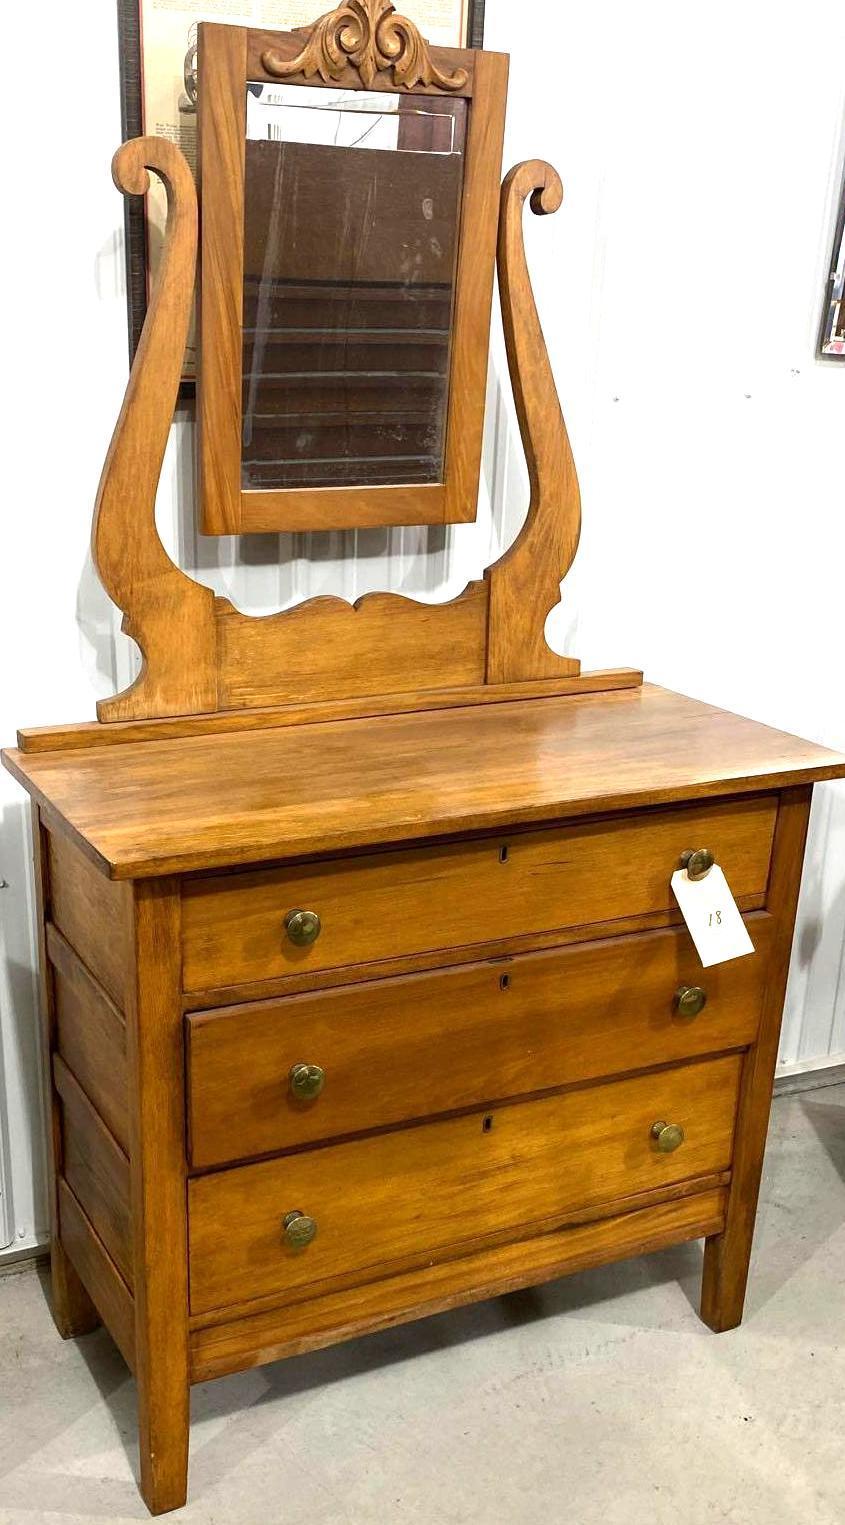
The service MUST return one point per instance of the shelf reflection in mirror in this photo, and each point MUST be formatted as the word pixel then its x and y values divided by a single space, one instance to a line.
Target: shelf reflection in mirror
pixel 351 222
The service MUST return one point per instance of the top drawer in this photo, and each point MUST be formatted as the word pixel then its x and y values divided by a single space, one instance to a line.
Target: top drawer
pixel 393 904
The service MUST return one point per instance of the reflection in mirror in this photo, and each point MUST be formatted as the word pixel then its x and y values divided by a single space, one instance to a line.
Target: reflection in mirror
pixel 351 218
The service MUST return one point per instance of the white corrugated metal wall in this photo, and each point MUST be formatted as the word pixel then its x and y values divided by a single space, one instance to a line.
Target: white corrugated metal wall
pixel 680 290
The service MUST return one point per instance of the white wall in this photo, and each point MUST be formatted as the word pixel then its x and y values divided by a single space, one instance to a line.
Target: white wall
pixel 680 288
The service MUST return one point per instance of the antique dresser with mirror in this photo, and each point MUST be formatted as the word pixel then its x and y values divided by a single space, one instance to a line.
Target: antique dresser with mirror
pixel 365 989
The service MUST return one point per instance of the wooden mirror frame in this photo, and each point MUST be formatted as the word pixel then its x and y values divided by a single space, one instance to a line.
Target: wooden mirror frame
pixel 209 668
pixel 362 45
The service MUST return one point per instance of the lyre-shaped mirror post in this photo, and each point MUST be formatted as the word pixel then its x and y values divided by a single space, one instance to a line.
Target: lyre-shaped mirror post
pixel 170 616
pixel 525 584
pixel 386 653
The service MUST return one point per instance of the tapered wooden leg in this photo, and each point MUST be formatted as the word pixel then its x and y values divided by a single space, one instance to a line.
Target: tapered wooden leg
pixel 726 1255
pixel 159 1207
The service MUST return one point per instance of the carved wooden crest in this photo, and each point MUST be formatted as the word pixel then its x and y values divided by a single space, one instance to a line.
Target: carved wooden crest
pixel 371 36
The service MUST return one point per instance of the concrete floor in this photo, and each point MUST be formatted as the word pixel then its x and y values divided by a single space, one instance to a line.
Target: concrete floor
pixel 599 1400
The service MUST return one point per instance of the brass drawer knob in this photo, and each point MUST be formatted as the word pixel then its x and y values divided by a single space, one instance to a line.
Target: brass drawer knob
pixel 690 1000
pixel 667 1136
pixel 697 863
pixel 299 1229
pixel 306 1081
pixel 302 927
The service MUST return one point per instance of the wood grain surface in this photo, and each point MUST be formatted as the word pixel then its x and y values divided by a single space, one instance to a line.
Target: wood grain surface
pixel 221 133
pixel 73 1309
pixel 90 1036
pixel 159 1232
pixel 168 614
pixel 525 583
pixel 398 1199
pixel 95 1168
pixel 91 914
pixel 382 644
pixel 392 904
pixel 727 1255
pixel 255 796
pixel 642 1224
pixel 80 734
pixel 99 1273
pixel 395 1050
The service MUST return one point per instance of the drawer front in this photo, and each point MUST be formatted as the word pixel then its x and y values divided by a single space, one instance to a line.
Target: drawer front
pixel 395 1200
pixel 398 1049
pixel 395 904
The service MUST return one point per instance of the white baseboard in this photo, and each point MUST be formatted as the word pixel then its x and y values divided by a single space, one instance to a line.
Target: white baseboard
pixel 12 1261
pixel 810 1074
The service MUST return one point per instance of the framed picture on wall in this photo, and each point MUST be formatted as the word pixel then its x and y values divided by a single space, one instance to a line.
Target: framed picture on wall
pixel 158 93
pixel 832 332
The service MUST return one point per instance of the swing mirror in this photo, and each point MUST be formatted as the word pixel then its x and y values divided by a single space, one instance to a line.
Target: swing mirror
pixel 348 230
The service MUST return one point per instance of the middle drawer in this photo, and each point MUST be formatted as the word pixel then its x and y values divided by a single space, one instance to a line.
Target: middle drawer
pixel 393 1050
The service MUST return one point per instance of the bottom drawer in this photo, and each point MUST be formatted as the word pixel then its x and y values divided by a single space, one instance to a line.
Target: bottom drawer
pixel 400 1199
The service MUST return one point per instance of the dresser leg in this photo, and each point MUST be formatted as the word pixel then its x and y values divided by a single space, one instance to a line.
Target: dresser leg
pixel 726 1260
pixel 163 1425
pixel 726 1255
pixel 73 1311
pixel 159 1195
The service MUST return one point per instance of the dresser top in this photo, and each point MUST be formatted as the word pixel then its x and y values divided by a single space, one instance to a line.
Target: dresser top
pixel 157 807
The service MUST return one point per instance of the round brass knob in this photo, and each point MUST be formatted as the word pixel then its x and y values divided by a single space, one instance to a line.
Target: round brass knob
pixel 306 1081
pixel 302 927
pixel 697 863
pixel 690 1000
pixel 667 1136
pixel 299 1229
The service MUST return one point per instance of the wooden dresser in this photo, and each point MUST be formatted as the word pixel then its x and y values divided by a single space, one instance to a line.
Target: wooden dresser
pixel 365 989
pixel 353 1021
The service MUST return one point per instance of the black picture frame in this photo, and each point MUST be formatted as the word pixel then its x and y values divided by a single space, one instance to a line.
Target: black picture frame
pixel 132 126
pixel 832 324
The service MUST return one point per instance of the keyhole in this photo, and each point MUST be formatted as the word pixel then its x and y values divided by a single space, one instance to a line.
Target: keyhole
pixel 504 982
pixel 503 853
pixel 487 1124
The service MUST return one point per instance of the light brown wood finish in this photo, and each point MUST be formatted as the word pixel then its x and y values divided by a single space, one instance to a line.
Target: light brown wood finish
pixel 386 905
pixel 229 56
pixel 86 1250
pixel 73 1310
pixel 90 733
pixel 397 1050
pixel 209 801
pixel 525 583
pixel 379 42
pixel 395 1200
pixel 166 613
pixel 91 914
pixel 90 1036
pixel 348 975
pixel 347 648
pixel 200 655
pixel 532 1154
pixel 221 1347
pixel 300 510
pixel 727 1255
pixel 265 49
pixel 95 1168
pixel 474 287
pixel 154 1033
pixel 221 118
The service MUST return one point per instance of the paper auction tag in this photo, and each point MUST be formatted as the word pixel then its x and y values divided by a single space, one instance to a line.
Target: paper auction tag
pixel 711 914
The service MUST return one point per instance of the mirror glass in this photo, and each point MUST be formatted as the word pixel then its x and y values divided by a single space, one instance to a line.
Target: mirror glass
pixel 351 220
